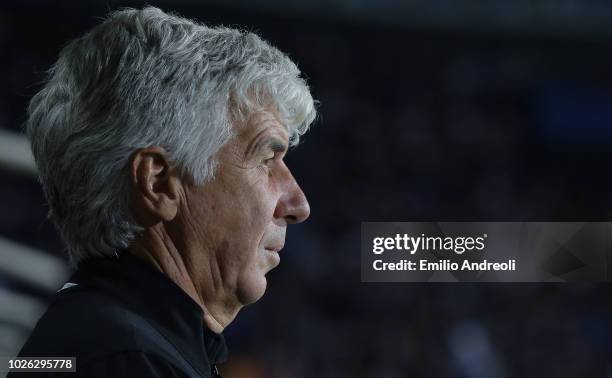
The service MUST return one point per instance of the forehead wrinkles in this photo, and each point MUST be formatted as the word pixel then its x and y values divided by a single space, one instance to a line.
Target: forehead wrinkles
pixel 261 123
pixel 263 120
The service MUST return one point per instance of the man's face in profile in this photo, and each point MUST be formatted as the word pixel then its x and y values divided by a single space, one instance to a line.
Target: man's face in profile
pixel 240 217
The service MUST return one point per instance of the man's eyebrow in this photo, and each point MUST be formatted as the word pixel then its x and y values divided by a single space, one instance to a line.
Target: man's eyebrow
pixel 275 144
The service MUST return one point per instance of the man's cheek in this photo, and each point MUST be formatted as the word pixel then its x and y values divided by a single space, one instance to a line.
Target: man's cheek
pixel 263 195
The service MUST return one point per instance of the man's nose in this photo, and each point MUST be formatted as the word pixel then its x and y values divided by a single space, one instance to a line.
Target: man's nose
pixel 293 205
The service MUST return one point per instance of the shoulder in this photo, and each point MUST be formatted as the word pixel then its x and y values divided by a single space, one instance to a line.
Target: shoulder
pixel 88 324
pixel 104 332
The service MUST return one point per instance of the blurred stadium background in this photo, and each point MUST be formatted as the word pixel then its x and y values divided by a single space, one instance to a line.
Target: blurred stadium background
pixel 430 110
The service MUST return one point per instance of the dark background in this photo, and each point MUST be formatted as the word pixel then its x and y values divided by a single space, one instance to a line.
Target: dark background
pixel 429 110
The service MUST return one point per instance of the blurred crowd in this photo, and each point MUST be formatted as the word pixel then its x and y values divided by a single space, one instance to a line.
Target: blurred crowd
pixel 415 124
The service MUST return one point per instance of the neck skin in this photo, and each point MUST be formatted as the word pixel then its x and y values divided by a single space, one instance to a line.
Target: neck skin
pixel 156 246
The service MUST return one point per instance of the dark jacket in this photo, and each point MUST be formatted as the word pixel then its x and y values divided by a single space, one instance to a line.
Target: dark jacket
pixel 124 318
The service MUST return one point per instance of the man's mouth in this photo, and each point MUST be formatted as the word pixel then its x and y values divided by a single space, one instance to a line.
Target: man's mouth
pixel 274 248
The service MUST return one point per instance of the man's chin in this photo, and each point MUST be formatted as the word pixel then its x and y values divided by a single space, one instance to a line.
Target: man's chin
pixel 253 291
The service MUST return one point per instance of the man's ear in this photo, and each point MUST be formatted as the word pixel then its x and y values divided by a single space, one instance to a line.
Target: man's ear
pixel 155 186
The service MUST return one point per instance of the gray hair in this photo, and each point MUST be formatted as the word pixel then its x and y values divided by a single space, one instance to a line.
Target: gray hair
pixel 143 78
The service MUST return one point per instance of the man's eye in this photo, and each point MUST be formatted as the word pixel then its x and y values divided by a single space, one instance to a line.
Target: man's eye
pixel 266 164
pixel 269 159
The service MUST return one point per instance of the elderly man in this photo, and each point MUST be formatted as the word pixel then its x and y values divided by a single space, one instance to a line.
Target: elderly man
pixel 160 146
